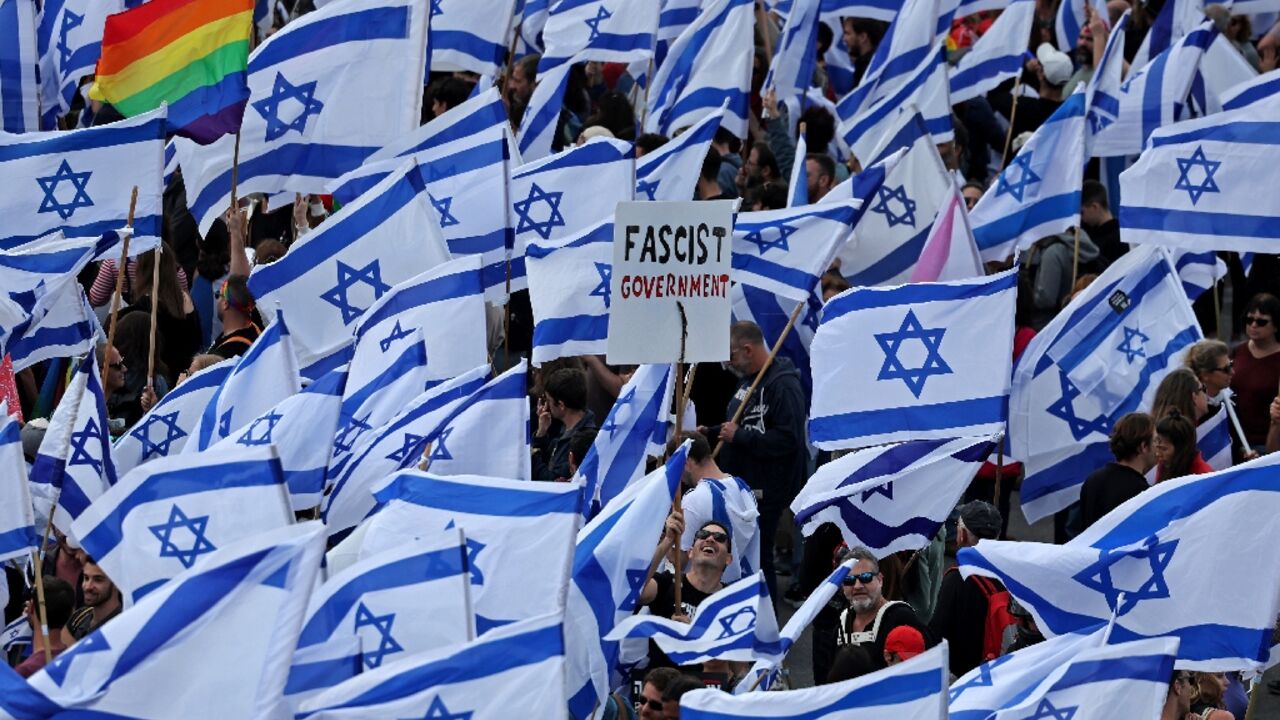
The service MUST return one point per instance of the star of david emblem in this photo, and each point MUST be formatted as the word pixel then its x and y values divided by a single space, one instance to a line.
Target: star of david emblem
pixel 70 21
pixel 438 450
pixel 346 437
pixel 1128 347
pixel 1026 177
pixel 611 423
pixel 195 526
pixel 1206 185
pixel 982 679
pixel 381 624
pixel 438 711
pixel 811 314
pixel 80 440
pixel 282 90
pixel 259 432
pixel 224 423
pixel 594 23
pixel 602 290
pixel 397 333
pixel 49 185
pixel 1046 711
pixel 153 448
pixel 780 242
pixel 524 212
pixel 442 206
pixel 635 585
pixel 1099 575
pixel 739 622
pixel 648 188
pixel 435 8
pixel 885 195
pixel 933 364
pixel 473 552
pixel 1128 83
pixel 348 277
pixel 885 489
pixel 92 643
pixel 1063 410
pixel 409 449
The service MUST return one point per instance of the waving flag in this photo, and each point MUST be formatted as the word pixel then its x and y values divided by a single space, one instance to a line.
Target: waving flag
pixel 795 55
pixel 950 252
pixel 1264 88
pixel 19 89
pixel 488 434
pixel 731 502
pixel 997 56
pixel 609 569
pixel 73 466
pixel 374 604
pixel 17 523
pixel 1213 439
pixel 80 181
pixel 908 42
pixel 893 497
pixel 1010 678
pixel 325 92
pixel 635 428
pixel 334 274
pixel 926 88
pixel 603 30
pixel 1099 359
pixel 167 427
pixel 570 293
pixel 258 585
pixel 519 535
pixel 466 35
pixel 1161 565
pixel 911 690
pixel 908 326
pixel 1198 271
pixel 707 65
pixel 772 313
pixel 1072 18
pixel 69 40
pixel 786 251
pixel 798 184
pixel 671 172
pixel 1197 176
pixel 520 665
pixel 61 324
pixel 361 408
pixel 735 623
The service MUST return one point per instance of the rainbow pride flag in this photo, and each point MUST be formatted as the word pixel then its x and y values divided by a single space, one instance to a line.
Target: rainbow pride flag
pixel 191 54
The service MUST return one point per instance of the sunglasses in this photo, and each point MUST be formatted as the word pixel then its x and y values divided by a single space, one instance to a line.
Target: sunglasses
pixel 863 577
pixel 1228 368
pixel 654 705
pixel 116 366
pixel 1257 320
pixel 719 537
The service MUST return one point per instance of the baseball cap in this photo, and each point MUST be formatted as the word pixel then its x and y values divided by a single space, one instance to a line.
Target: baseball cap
pixel 1057 66
pixel 982 518
pixel 904 640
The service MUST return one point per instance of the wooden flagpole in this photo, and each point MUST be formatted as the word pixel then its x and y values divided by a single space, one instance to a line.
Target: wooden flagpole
pixel 677 500
pixel 155 309
pixel 1075 262
pixel 115 297
pixel 1013 113
pixel 773 353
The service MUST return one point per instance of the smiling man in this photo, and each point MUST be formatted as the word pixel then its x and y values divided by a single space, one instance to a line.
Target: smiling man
pixel 870 617
pixel 706 561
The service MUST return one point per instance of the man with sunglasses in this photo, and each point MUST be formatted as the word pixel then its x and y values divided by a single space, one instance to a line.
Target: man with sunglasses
pixel 714 495
pixel 870 617
pixel 703 576
pixel 235 312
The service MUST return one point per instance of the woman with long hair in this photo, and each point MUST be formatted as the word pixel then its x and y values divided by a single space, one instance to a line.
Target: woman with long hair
pixel 1175 446
pixel 176 321
pixel 1207 698
pixel 1181 390
pixel 133 342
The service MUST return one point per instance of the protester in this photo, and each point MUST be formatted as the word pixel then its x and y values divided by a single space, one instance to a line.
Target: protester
pixel 102 602
pixel 1175 447
pixel 1180 390
pixel 235 312
pixel 564 399
pixel 59 598
pixel 1178 702
pixel 1206 699
pixel 964 606
pixel 1132 444
pixel 870 617
pixel 649 702
pixel 1256 365
pixel 676 690
pixel 711 553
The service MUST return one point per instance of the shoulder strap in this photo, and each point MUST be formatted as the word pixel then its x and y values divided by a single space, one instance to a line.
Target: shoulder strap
pixel 875 624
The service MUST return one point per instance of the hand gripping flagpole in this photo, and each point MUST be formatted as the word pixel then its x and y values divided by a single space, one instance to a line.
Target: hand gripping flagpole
pixel 115 297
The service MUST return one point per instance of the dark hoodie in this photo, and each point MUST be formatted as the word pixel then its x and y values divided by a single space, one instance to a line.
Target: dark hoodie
pixel 768 451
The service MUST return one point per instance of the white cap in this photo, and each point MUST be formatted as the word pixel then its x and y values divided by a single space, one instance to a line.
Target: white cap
pixel 1057 66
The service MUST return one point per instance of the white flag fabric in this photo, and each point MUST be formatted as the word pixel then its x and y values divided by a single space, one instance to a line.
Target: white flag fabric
pixel 926 88
pixel 363 408
pixel 892 497
pixel 520 665
pixel 786 251
pixel 1010 678
pixel 1213 440
pixel 671 172
pixel 469 35
pixel 17 523
pixel 997 56
pixel 1071 19
pixel 169 425
pixel 939 367
pixel 488 434
pixel 62 324
pixel 707 65
pixel 158 520
pixel 950 252
pixel 731 503
pixel 570 292
pixel 603 30
pixel 19 84
pixel 795 55
pixel 1263 88
pixel 1162 565
pixel 911 690
pixel 69 41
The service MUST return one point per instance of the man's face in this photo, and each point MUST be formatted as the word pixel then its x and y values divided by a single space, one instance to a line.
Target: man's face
pixel 971 196
pixel 711 547
pixel 649 706
pixel 97 587
pixel 741 357
pixel 518 86
pixel 814 180
pixel 1182 689
pixel 115 369
pixel 865 591
pixel 1148 453
pixel 847 32
pixel 1091 214
pixel 555 407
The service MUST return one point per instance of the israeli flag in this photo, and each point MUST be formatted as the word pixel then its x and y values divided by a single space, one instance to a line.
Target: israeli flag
pixel 130 666
pixel 736 623
pixel 609 570
pixel 1215 160
pixel 168 426
pixel 325 93
pixel 61 324
pixel 1262 89
pixel 569 291
pixel 363 408
pixel 892 497
pixel 635 429
pixel 1162 566
pixel 670 173
pixel 925 88
pixel 882 10
pixel 15 634
pixel 950 252
pixel 1102 357
pixel 519 536
pixel 529 31
pixel 1124 680
pixel 911 690
pixel 1038 192
pixel 786 251
pixel 1222 68
pixel 1102 91
pixel 798 184
pixel 488 434
pixel 1213 439
pixel 732 503
pixel 264 375
pixel 707 65
pixel 170 162
pixel 1198 271
pixel 17 523
pixel 618 31
pixel 69 41
pixel 1174 21
pixel 336 272
pixel 19 87
pixel 908 325
pixel 997 56
pixel 520 665
pixel 80 181
pixel 163 516
pixel 1010 679
pixel 795 55
pixel 772 314
pixel 466 35
pixel 392 605
pixel 396 444
pixel 73 466
pixel 1071 19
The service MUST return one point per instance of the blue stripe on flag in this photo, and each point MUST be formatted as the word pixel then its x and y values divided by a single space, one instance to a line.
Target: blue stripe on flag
pixel 381 23
pixel 1199 222
pixel 557 331
pixel 913 294
pixel 935 416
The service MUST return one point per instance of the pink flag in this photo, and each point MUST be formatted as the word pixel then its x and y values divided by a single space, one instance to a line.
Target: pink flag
pixel 950 252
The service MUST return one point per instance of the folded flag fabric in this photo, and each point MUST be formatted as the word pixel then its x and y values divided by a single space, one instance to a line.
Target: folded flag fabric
pixel 17 523
pixel 1008 679
pixel 19 83
pixel 168 426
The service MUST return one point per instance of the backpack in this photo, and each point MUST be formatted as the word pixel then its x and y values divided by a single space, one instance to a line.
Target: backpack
pixel 998 617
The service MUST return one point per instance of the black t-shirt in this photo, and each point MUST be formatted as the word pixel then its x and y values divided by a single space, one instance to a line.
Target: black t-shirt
pixel 233 344
pixel 664 604
pixel 960 618
pixel 1107 488
pixel 897 614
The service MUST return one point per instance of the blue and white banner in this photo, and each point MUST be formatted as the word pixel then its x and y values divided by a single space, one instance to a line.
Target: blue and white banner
pixel 787 251
pixel 372 405
pixel 62 325
pixel 17 521
pixel 80 182
pixel 926 88
pixel 69 41
pixel 16 633
pixel 335 273
pixel 707 65
pixel 798 183
pixel 670 173
pixel 731 502
pixel 1102 357
pixel 1011 678
pixel 1161 565
pixel 893 497
pixel 1194 185
pixel 618 31
pixel 1198 271
pixel 932 358
pixel 1213 438
pixel 735 623
pixel 570 293
pixel 488 434
pixel 517 666
pixel 469 35
pixel 997 56
pixel 19 88
pixel 160 518
pixel 1264 88
pixel 795 57
pixel 908 42
pixel 168 426
pixel 325 92
pixel 911 690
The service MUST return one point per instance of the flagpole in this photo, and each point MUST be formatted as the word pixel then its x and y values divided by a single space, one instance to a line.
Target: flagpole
pixel 1217 310
pixel 762 22
pixel 1013 113
pixel 40 607
pixel 995 498
pixel 648 83
pixel 777 345
pixel 155 309
pixel 115 297
pixel 677 501
pixel 511 59
pixel 1075 262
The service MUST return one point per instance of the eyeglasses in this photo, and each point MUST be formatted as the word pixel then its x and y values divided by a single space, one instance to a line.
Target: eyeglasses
pixel 1228 368
pixel 1257 320
pixel 654 705
pixel 116 366
pixel 719 537
pixel 863 577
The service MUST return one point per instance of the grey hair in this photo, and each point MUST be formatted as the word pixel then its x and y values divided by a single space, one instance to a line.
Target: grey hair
pixel 862 553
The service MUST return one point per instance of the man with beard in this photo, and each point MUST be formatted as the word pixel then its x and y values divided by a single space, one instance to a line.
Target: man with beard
pixel 706 561
pixel 870 617
pixel 101 603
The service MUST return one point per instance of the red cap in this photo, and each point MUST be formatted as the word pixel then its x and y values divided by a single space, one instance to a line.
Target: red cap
pixel 904 640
